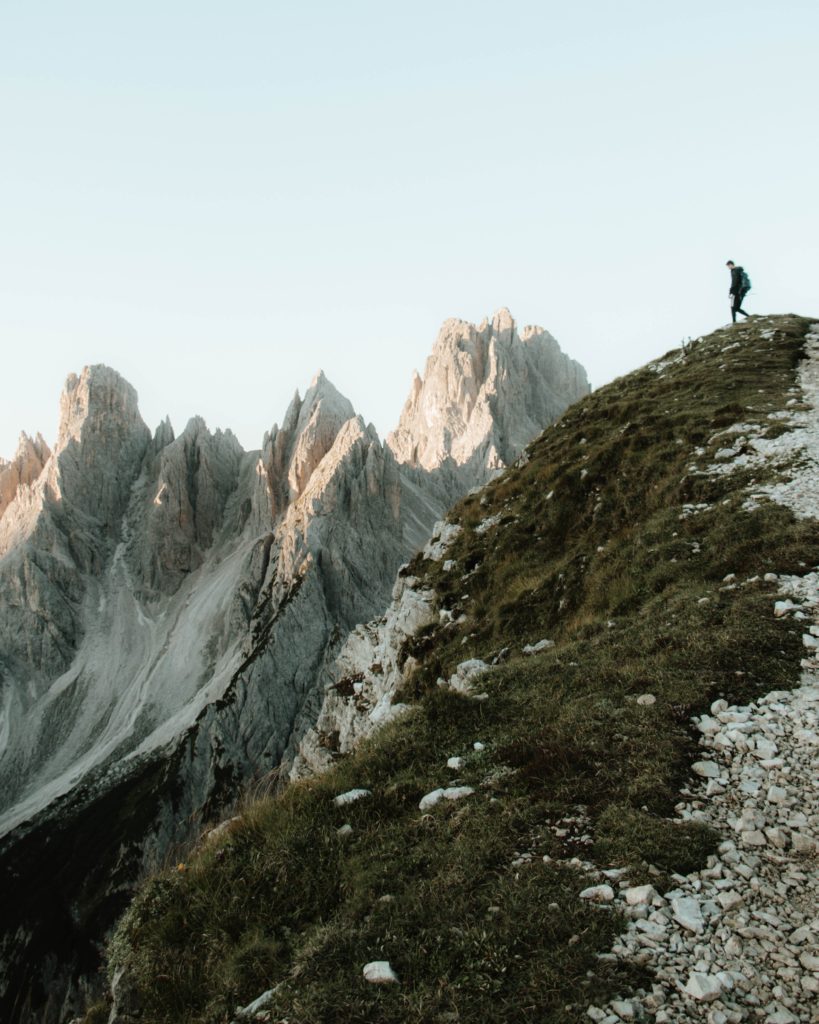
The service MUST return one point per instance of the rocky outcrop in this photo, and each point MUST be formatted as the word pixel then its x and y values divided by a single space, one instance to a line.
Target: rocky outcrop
pixel 181 503
pixel 23 470
pixel 292 452
pixel 361 684
pixel 487 391
pixel 59 530
pixel 171 608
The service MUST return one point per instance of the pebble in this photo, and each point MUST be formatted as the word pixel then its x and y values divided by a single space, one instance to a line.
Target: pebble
pixel 639 894
pixel 703 987
pixel 598 894
pixel 351 796
pixel 687 912
pixel 379 972
pixel 449 793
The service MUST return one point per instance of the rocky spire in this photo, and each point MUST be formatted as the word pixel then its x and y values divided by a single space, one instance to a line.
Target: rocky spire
pixel 188 483
pixel 24 469
pixel 100 443
pixel 485 393
pixel 291 453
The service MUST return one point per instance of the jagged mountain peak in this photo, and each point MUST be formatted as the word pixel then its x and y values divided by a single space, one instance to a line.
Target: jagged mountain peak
pixel 484 391
pixel 99 395
pixel 24 469
pixel 163 435
pixel 292 452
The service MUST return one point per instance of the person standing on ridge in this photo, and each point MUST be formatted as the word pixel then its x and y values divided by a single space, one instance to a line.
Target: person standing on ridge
pixel 740 286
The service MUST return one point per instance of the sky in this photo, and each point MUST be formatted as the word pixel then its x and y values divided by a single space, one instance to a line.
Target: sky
pixel 219 199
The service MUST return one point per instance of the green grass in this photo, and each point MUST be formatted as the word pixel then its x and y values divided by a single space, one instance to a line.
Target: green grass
pixel 599 561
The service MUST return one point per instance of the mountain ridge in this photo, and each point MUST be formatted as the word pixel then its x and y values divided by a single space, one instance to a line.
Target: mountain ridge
pixel 510 844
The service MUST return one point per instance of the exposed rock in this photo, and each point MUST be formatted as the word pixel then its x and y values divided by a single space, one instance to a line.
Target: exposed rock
pixel 449 793
pixel 24 469
pixel 485 393
pixel 379 972
pixel 351 796
pixel 598 894
pixel 260 1003
pixel 638 894
pixel 687 912
pixel 705 988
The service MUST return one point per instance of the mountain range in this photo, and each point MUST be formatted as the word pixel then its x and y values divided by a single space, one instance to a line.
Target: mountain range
pixel 173 608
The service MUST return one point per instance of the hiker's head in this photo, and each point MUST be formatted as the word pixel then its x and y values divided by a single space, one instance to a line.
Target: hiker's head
pixel 730 263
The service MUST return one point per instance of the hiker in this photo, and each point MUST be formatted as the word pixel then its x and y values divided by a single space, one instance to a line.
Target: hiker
pixel 740 286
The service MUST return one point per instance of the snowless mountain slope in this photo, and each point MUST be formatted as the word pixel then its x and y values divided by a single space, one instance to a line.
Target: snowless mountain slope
pixel 167 609
pixel 595 797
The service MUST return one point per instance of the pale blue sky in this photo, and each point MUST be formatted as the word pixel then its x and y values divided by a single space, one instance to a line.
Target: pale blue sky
pixel 217 199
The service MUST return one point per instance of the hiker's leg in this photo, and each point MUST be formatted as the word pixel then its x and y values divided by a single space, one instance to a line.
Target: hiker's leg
pixel 739 304
pixel 735 300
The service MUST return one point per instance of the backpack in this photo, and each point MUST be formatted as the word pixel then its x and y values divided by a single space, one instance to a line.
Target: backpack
pixel 744 282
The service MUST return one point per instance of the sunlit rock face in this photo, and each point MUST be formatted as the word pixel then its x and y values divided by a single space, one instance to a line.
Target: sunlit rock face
pixel 171 608
pixel 486 392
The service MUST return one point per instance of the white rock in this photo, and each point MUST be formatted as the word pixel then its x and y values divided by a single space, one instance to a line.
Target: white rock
pixel 466 673
pixel 258 1004
pixel 598 894
pixel 765 749
pixel 803 843
pixel 541 645
pixel 752 837
pixel 687 912
pixel 709 726
pixel 455 763
pixel 705 988
pixel 706 769
pixel 379 972
pixel 639 894
pixel 809 961
pixel 444 536
pixel 624 1009
pixel 781 1016
pixel 449 793
pixel 729 899
pixel 351 796
pixel 646 700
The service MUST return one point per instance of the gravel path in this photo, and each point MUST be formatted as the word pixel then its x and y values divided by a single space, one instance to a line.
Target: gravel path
pixel 739 940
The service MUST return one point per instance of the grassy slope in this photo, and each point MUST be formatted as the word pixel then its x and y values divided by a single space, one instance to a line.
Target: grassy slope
pixel 592 553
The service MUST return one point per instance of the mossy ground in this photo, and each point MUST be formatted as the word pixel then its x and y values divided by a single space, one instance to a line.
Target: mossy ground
pixel 590 551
